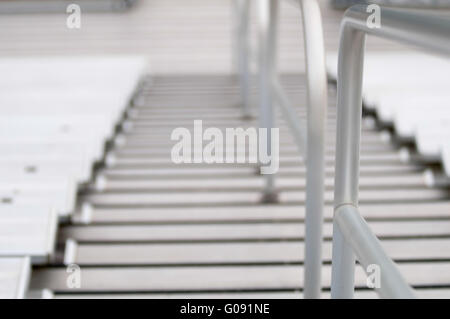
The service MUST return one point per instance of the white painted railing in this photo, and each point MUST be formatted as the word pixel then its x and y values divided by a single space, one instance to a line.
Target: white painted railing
pixel 242 52
pixel 311 144
pixel 351 235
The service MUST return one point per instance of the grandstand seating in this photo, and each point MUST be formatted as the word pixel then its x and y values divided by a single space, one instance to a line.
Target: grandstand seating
pixel 14 277
pixel 60 6
pixel 56 119
pixel 88 180
pixel 415 106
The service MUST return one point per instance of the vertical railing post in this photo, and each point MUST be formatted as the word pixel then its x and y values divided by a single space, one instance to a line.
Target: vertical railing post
pixel 273 37
pixel 268 12
pixel 316 79
pixel 243 56
pixel 348 134
pixel 234 15
pixel 238 21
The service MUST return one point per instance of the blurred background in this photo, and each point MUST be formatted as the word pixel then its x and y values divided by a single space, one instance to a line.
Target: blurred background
pixel 92 206
pixel 177 36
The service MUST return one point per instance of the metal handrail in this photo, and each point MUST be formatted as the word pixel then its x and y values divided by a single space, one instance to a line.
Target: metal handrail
pixel 350 233
pixel 369 251
pixel 316 78
pixel 268 18
pixel 290 116
pixel 311 144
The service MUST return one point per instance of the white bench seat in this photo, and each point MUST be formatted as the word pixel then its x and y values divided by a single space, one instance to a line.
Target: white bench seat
pixel 56 116
pixel 94 151
pixel 95 127
pixel 52 192
pixel 430 142
pixel 14 277
pixel 411 92
pixel 407 125
pixel 35 152
pixel 70 169
pixel 28 231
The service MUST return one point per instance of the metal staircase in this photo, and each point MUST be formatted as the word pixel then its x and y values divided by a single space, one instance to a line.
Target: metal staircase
pixel 93 203
pixel 158 229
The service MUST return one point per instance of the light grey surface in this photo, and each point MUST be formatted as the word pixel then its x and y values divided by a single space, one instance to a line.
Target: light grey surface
pixel 232 231
pixel 28 231
pixel 178 36
pixel 253 197
pixel 59 6
pixel 218 278
pixel 115 215
pixel 47 192
pixel 14 277
pixel 251 182
pixel 359 294
pixel 242 252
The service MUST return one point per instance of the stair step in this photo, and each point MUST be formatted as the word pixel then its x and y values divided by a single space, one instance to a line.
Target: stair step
pixel 218 278
pixel 268 213
pixel 241 253
pixel 242 232
pixel 255 182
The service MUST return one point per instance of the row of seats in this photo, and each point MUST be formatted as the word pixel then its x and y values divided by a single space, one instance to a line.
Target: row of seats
pixel 56 116
pixel 60 6
pixel 410 91
pixel 342 4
